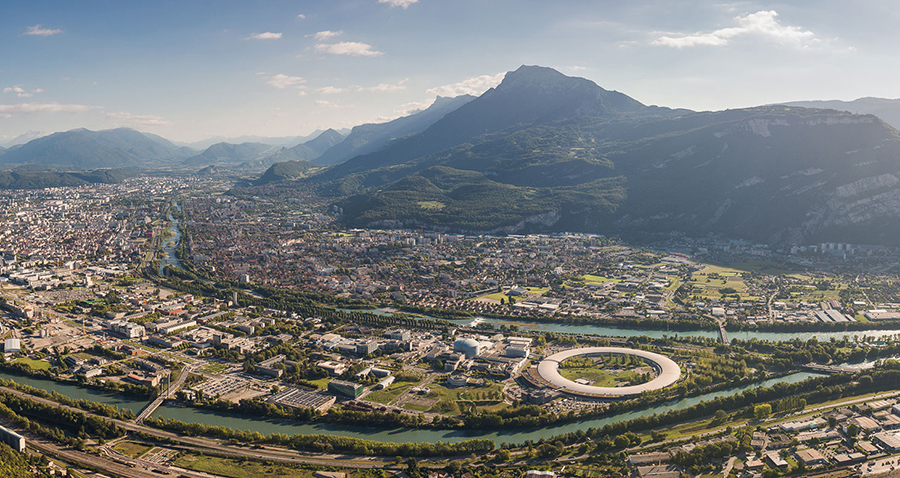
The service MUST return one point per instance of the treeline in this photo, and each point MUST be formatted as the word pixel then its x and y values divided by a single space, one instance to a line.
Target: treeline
pixel 110 411
pixel 800 352
pixel 15 464
pixel 79 425
pixel 327 443
pixel 22 368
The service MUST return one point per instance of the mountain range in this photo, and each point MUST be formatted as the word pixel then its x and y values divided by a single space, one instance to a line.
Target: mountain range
pixel 547 152
pixel 85 149
pixel 886 109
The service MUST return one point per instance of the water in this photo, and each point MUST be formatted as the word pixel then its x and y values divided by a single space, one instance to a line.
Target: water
pixel 76 392
pixel 609 331
pixel 402 435
pixel 169 258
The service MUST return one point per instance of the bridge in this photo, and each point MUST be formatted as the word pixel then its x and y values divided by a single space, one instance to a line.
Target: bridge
pixel 723 335
pixel 173 387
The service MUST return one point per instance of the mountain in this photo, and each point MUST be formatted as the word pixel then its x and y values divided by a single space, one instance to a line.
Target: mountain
pixel 886 109
pixel 369 138
pixel 85 149
pixel 770 174
pixel 527 96
pixel 227 153
pixel 286 170
pixel 309 150
pixel 2 150
pixel 544 152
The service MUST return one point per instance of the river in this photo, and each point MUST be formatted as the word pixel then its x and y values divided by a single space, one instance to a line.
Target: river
pixel 397 435
pixel 609 331
pixel 169 258
pixel 72 390
pixel 402 435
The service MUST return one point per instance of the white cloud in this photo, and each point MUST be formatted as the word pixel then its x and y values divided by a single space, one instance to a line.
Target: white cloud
pixel 265 36
pixel 324 35
pixel 282 81
pixel 471 86
pixel 330 90
pixel 412 107
pixel 384 87
pixel 351 48
pixel 328 104
pixel 27 108
pixel 144 120
pixel 399 3
pixel 22 92
pixel 41 32
pixel 762 23
pixel 301 16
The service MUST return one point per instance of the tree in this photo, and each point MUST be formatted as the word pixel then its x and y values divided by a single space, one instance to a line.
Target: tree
pixel 720 417
pixel 762 411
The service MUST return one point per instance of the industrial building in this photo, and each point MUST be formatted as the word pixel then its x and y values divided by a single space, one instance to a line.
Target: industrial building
pixel 347 389
pixel 468 347
pixel 298 398
pixel 126 329
pixel 12 346
pixel 13 439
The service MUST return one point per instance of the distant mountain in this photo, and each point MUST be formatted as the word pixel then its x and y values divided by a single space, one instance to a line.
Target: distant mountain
pixel 886 109
pixel 24 138
pixel 50 179
pixel 309 150
pixel 2 150
pixel 285 141
pixel 369 138
pixel 85 149
pixel 530 95
pixel 227 153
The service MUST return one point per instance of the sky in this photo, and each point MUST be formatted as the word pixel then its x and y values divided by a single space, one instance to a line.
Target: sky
pixel 189 70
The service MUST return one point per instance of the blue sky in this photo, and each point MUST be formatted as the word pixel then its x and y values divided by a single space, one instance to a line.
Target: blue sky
pixel 188 70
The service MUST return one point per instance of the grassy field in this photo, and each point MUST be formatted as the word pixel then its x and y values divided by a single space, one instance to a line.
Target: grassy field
pixel 131 449
pixel 391 393
pixel 215 368
pixel 707 287
pixel 34 364
pixel 243 469
pixel 592 279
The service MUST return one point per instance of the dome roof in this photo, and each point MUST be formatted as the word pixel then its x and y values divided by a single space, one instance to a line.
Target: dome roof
pixel 470 342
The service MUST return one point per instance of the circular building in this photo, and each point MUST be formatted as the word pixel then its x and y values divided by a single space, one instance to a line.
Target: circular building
pixel 468 347
pixel 548 369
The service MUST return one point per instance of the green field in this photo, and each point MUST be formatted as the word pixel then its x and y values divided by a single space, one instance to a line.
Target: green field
pixel 34 364
pixel 242 468
pixel 131 449
pixel 215 368
pixel 387 396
